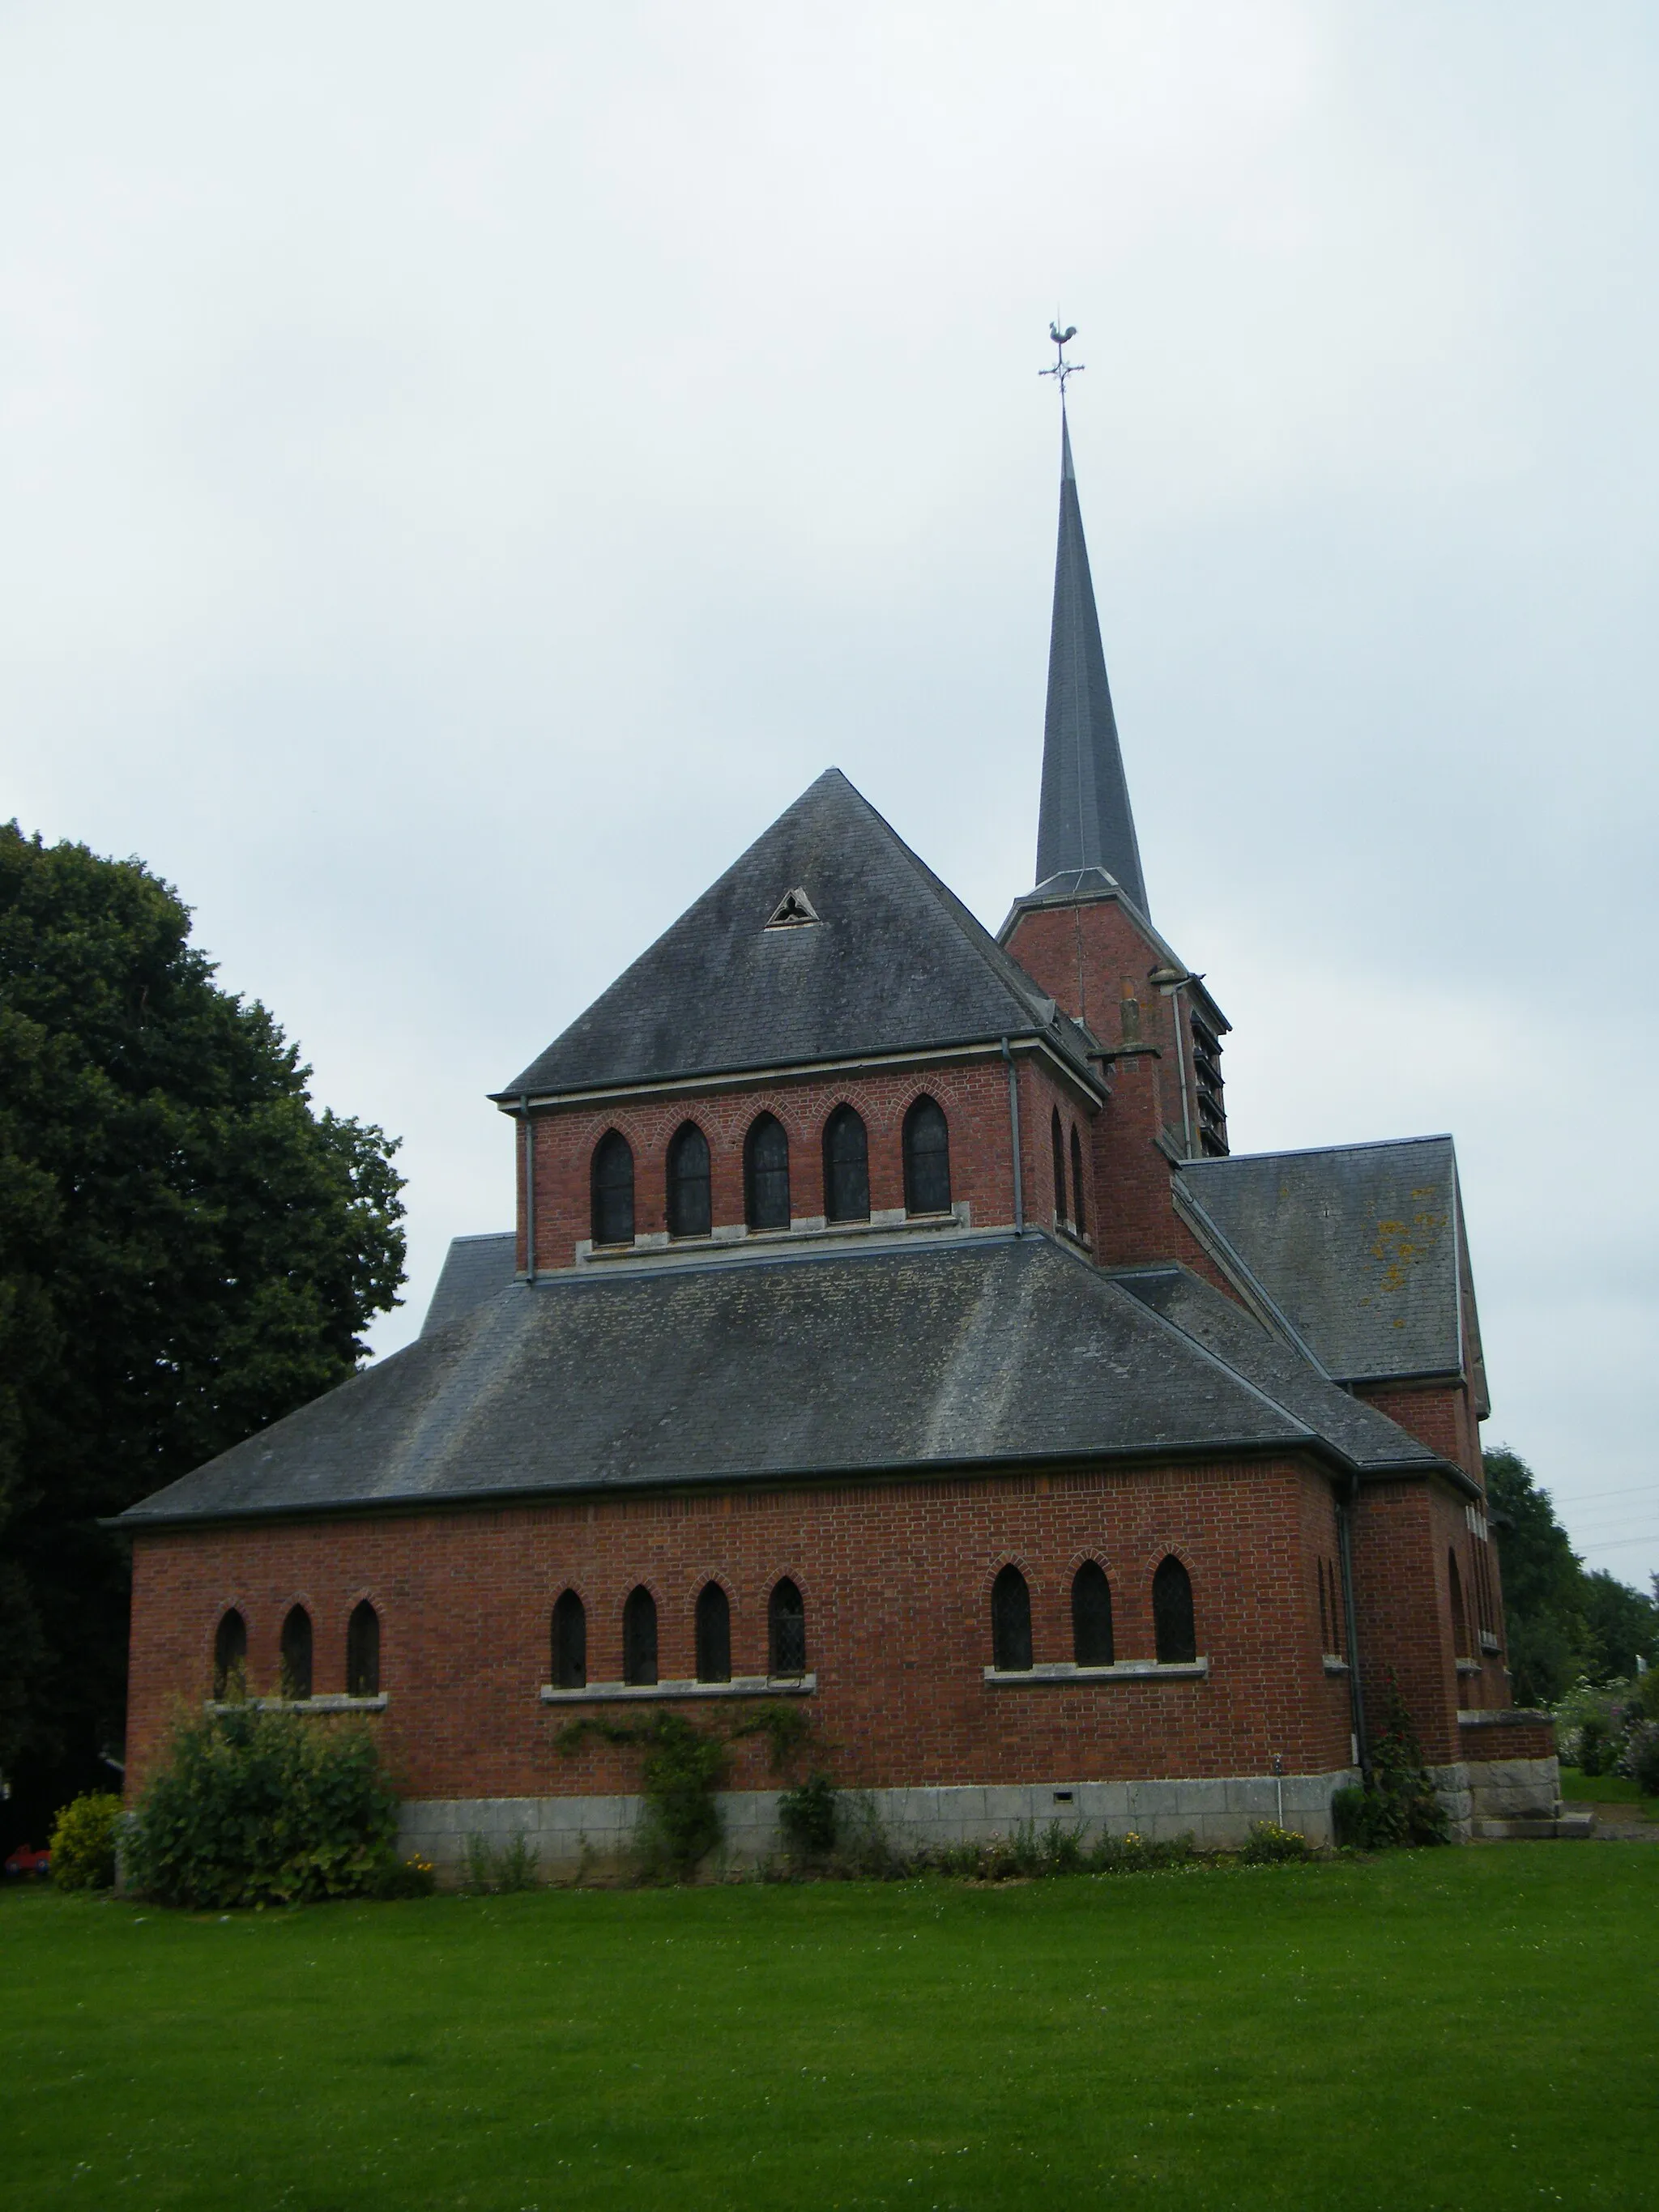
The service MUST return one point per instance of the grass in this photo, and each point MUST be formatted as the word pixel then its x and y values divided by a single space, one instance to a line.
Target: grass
pixel 1604 1789
pixel 1464 2029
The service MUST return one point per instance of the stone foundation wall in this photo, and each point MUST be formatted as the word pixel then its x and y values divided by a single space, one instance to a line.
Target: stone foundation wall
pixel 599 1831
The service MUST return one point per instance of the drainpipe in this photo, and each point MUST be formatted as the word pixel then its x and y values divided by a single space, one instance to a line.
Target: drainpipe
pixel 1356 1691
pixel 529 1194
pixel 1013 1132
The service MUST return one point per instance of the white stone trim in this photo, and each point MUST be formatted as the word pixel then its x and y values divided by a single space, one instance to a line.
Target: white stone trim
pixel 1124 1670
pixel 740 1685
pixel 329 1704
pixel 1335 1663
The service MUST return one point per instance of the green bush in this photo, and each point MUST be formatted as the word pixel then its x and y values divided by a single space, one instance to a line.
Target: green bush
pixel 501 1873
pixel 1398 1805
pixel 1643 1767
pixel 1268 1845
pixel 84 1842
pixel 401 1878
pixel 264 1808
pixel 808 1816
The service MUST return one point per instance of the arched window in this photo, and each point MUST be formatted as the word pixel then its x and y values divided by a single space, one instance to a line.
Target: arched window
pixel 846 1167
pixel 688 1183
pixel 230 1656
pixel 1092 1616
pixel 569 1643
pixel 1175 1637
pixel 640 1637
pixel 1459 1618
pixel 714 1634
pixel 363 1652
pixel 1077 1182
pixel 927 1159
pixel 613 1190
pixel 766 1174
pixel 296 1653
pixel 1010 1623
pixel 786 1619
pixel 1058 1140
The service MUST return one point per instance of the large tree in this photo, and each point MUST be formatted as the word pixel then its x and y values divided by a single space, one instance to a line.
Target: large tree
pixel 1563 1623
pixel 187 1251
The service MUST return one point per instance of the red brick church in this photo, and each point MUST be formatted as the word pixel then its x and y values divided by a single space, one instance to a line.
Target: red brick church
pixel 888 1326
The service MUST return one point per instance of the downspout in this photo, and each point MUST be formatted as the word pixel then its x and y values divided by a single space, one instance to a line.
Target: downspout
pixel 1013 1134
pixel 1356 1689
pixel 529 1194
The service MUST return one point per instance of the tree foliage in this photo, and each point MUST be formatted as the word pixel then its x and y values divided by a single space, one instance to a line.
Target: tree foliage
pixel 1563 1622
pixel 187 1251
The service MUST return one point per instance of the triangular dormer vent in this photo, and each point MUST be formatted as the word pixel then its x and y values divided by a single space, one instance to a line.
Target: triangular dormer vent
pixel 792 911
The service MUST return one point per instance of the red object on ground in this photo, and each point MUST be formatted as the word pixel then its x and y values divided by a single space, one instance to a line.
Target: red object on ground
pixel 24 1860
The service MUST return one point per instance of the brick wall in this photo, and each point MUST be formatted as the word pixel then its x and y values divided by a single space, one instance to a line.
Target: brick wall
pixel 896 1579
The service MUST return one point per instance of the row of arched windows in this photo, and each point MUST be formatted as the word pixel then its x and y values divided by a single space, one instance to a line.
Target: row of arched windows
pixel 1068 1209
pixel 1173 1632
pixel 926 1144
pixel 786 1636
pixel 362 1653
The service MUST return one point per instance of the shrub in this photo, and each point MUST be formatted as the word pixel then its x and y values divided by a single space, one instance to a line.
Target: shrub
pixel 401 1878
pixel 84 1842
pixel 500 1873
pixel 1268 1845
pixel 258 1807
pixel 808 1816
pixel 1593 1744
pixel 1644 1770
pixel 1398 1805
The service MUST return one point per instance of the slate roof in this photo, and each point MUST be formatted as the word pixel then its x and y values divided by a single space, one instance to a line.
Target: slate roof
pixel 475 1269
pixel 984 1351
pixel 895 962
pixel 1360 1246
pixel 1085 822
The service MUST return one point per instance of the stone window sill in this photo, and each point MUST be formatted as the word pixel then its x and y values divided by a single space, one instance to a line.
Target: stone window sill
pixel 740 1685
pixel 1127 1670
pixel 1468 1666
pixel 1335 1663
pixel 1488 1642
pixel 324 1704
pixel 806 1228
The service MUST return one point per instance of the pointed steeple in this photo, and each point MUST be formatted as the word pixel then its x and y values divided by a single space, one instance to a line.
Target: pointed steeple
pixel 1085 823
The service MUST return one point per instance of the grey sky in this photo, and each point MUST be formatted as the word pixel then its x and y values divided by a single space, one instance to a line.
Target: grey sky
pixel 463 470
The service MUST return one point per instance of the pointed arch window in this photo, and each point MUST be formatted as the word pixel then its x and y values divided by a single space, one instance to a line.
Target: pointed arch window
pixel 1081 1225
pixel 846 1167
pixel 1092 1616
pixel 1056 1138
pixel 1459 1617
pixel 613 1190
pixel 927 1159
pixel 766 1174
pixel 689 1214
pixel 363 1652
pixel 296 1654
pixel 1174 1634
pixel 785 1621
pixel 569 1643
pixel 714 1634
pixel 1010 1623
pixel 640 1637
pixel 230 1656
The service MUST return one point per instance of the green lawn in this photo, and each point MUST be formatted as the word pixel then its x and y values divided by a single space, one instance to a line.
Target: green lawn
pixel 1604 1789
pixel 1459 2028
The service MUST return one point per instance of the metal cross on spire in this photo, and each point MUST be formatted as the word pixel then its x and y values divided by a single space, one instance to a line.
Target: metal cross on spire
pixel 1062 369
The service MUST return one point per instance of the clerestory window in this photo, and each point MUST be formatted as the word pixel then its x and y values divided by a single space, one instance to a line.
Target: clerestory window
pixel 613 1190
pixel 766 1174
pixel 927 1159
pixel 689 1214
pixel 846 1167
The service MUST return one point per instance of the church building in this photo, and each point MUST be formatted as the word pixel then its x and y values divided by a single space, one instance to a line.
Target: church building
pixel 889 1327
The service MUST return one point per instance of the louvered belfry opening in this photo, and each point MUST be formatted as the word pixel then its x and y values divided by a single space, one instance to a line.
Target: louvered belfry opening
pixel 613 1190
pixel 1010 1623
pixel 1092 1616
pixel 689 1214
pixel 1174 1636
pixel 640 1637
pixel 846 1167
pixel 363 1652
pixel 927 1158
pixel 786 1626
pixel 569 1643
pixel 296 1653
pixel 766 1174
pixel 714 1634
pixel 230 1655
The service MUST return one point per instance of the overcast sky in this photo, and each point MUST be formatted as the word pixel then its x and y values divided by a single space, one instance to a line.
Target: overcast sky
pixel 465 470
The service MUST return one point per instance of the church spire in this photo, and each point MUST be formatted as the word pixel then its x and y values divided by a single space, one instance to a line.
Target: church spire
pixel 1084 822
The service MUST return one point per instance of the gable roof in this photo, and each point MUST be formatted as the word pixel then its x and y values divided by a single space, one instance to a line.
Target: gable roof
pixel 988 1351
pixel 893 963
pixel 1361 1247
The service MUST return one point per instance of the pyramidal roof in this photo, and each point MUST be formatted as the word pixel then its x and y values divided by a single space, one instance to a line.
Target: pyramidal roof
pixel 827 940
pixel 1085 826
